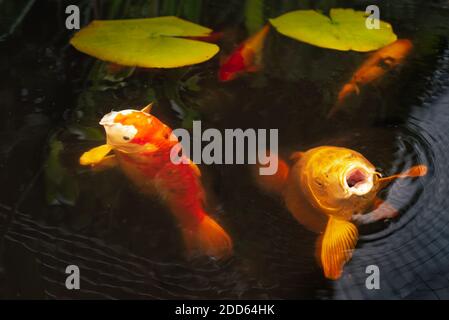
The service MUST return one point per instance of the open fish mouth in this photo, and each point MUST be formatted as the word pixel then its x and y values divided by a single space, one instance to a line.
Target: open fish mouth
pixel 358 181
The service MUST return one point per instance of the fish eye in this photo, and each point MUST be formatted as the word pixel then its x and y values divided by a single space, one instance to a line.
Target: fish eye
pixel 386 63
pixel 125 138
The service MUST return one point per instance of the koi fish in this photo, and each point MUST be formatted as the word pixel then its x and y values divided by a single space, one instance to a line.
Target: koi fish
pixel 141 146
pixel 379 63
pixel 330 189
pixel 246 58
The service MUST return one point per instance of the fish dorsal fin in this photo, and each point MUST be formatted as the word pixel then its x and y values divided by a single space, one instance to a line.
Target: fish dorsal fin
pixel 415 171
pixel 337 244
pixel 95 155
pixel 148 108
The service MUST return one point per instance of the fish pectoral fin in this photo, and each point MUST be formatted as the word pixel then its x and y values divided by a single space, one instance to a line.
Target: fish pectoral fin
pixel 337 243
pixel 94 155
pixel 107 162
pixel 356 89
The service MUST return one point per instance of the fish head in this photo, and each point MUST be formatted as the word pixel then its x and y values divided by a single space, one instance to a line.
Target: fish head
pixel 400 49
pixel 132 131
pixel 388 58
pixel 339 181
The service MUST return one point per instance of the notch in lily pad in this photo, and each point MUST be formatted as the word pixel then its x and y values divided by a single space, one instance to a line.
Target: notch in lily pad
pixel 161 42
pixel 343 29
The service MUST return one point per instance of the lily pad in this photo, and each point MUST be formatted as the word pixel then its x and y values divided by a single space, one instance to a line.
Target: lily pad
pixel 344 29
pixel 149 43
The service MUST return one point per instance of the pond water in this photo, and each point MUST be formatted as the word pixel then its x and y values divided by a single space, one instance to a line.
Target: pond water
pixel 54 213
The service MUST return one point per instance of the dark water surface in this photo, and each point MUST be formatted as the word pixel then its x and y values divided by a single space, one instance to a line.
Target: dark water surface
pixel 54 213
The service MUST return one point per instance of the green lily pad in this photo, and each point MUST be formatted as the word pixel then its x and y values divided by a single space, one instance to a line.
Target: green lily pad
pixel 150 43
pixel 344 29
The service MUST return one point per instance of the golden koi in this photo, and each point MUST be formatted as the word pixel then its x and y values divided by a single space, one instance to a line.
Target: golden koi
pixel 379 63
pixel 141 146
pixel 246 58
pixel 328 189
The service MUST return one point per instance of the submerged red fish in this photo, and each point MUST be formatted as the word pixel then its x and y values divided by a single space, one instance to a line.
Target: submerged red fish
pixel 141 144
pixel 246 58
pixel 330 189
pixel 378 64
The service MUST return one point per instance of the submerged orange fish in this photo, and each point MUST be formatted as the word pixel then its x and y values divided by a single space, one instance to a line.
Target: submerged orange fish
pixel 141 146
pixel 379 63
pixel 246 58
pixel 330 189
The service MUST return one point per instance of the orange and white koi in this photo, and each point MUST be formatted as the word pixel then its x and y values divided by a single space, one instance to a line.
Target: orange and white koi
pixel 141 146
pixel 246 58
pixel 378 64
pixel 330 189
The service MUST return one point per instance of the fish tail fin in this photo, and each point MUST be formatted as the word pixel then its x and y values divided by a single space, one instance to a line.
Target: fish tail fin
pixel 208 238
pixel 272 183
pixel 256 41
pixel 253 50
pixel 336 246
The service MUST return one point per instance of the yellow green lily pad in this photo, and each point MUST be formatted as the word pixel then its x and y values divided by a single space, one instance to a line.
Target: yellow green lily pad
pixel 150 43
pixel 343 29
